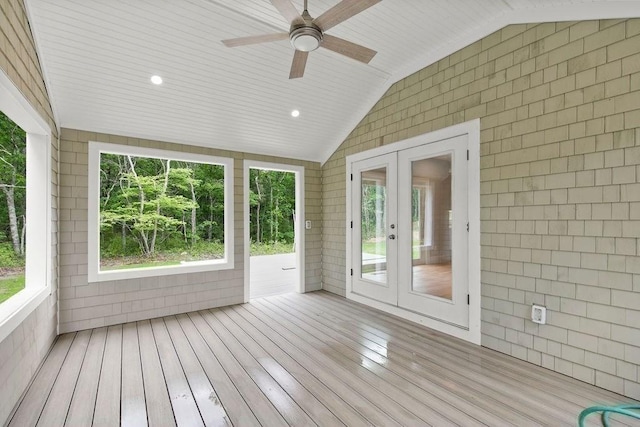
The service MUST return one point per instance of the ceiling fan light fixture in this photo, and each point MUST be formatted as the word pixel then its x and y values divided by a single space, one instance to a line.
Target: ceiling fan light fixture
pixel 306 38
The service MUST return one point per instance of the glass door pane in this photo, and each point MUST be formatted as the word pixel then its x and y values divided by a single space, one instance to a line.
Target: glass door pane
pixel 431 226
pixel 373 223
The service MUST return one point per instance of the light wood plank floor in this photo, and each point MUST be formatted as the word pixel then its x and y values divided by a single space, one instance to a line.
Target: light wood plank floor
pixel 312 359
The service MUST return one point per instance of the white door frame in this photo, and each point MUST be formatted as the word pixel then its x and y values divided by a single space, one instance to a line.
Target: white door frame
pixel 472 130
pixel 299 228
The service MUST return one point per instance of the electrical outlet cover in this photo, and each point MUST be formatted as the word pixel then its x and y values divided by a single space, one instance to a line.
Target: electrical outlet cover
pixel 539 314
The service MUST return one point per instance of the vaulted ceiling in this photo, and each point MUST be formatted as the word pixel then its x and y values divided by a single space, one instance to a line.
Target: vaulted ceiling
pixel 98 57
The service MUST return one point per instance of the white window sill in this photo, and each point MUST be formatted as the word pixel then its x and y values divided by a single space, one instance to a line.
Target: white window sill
pixel 17 308
pixel 184 267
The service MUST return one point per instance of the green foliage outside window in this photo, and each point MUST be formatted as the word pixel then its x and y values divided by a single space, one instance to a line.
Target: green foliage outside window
pixel 159 211
pixel 13 181
pixel 272 211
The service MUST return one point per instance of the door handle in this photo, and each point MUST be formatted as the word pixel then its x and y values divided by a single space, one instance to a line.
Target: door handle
pixel 392 236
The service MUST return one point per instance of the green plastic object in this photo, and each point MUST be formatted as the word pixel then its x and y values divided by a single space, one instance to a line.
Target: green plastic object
pixel 628 410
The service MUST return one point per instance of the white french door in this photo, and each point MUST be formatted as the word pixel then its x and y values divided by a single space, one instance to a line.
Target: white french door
pixel 433 248
pixel 410 229
pixel 374 246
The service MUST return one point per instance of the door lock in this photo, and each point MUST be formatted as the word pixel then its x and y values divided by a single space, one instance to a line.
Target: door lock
pixel 392 226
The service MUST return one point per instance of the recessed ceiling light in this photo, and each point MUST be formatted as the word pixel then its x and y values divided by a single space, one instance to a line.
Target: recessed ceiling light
pixel 156 80
pixel 295 113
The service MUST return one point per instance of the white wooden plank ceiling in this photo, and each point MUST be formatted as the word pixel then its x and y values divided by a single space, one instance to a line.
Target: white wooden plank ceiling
pixel 98 57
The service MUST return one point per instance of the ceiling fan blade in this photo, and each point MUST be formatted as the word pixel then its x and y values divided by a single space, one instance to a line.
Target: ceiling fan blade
pixel 286 9
pixel 299 62
pixel 341 12
pixel 243 41
pixel 347 48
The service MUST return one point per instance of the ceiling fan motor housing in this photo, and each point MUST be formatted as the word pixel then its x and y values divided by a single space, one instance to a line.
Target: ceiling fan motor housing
pixel 305 36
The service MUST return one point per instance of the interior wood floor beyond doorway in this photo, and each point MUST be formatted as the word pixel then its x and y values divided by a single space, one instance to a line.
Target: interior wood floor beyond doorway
pixel 311 359
pixel 432 279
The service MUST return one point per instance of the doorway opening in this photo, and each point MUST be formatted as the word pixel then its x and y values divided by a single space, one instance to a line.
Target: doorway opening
pixel 274 218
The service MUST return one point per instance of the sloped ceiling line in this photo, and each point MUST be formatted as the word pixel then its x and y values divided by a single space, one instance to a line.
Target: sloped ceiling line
pixel 98 57
pixel 591 11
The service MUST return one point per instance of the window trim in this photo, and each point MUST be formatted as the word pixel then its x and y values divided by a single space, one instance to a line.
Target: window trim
pixel 38 260
pixel 93 214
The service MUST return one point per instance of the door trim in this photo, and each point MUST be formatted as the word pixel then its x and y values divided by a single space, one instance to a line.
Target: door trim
pixel 298 227
pixel 472 130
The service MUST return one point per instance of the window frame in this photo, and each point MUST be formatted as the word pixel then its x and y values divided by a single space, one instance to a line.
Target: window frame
pixel 38 257
pixel 93 214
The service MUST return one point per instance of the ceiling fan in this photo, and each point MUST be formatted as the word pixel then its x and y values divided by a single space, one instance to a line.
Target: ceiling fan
pixel 307 33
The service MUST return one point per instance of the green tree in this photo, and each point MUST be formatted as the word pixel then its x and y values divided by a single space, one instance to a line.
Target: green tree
pixel 174 210
pixel 13 142
pixel 210 198
pixel 272 204
pixel 149 204
pixel 372 210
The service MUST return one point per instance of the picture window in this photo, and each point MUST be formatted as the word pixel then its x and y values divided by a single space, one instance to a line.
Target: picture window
pixel 155 212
